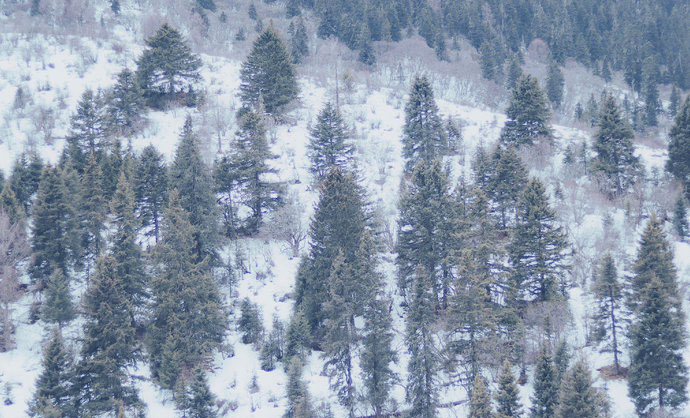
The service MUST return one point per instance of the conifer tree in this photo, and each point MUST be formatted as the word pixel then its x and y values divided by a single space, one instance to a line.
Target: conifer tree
pixel 25 178
pixel 125 104
pixel 366 55
pixel 545 399
pixel 187 318
pixel 12 207
pixel 507 397
pixel 377 356
pixel 274 346
pixel 514 73
pixel 528 116
pixel 507 180
pixel 657 377
pixel 480 400
pixel 609 316
pixel 57 307
pixel 190 176
pixel 554 85
pixel 674 102
pixel 615 158
pixel 299 42
pixel 268 75
pixel 250 322
pixel 53 396
pixel 297 338
pixel 88 133
pixel 423 134
pixel 167 66
pixel 199 402
pixel 578 398
pixel 111 165
pixel 150 189
pixel 328 145
pixel 92 212
pixel 537 250
pixel 299 402
pixel 678 162
pixel 680 217
pixel 652 104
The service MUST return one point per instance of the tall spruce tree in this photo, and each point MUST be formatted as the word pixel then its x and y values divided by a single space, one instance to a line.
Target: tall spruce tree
pixel 678 162
pixel 92 213
pixel 328 144
pixel 88 133
pixel 12 207
pixel 545 398
pixel 150 189
pixel 299 42
pixel 423 135
pixel 480 400
pixel 615 158
pixel 198 401
pixel 507 178
pixel 554 85
pixel 609 317
pixel 578 398
pixel 658 376
pixel 268 75
pixel 680 217
pixel 57 307
pixel 125 104
pixel 652 104
pixel 191 177
pixel 674 102
pixel 53 396
pixel 299 402
pixel 528 116
pixel 508 396
pixel 537 249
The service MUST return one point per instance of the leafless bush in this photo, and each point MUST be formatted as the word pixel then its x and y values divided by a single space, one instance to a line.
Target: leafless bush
pixel 43 119
pixel 287 224
pixel 13 249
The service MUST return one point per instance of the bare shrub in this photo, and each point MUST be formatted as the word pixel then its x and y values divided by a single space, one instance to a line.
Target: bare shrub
pixel 13 249
pixel 287 224
pixel 43 119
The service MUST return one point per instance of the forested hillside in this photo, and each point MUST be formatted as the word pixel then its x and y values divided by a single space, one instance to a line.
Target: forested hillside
pixel 361 209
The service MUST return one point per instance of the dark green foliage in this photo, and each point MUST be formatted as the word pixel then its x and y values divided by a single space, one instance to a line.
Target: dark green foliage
pixel 109 346
pixel 299 42
pixel 561 361
pixel 680 217
pixel 125 104
pixel 674 102
pixel 652 104
pixel 423 135
pixel 88 131
pixel 252 12
pixel 150 189
pixel 506 178
pixel 115 6
pixel 298 337
pixel 454 135
pixel 35 8
pixel 187 316
pixel 545 398
pixel 197 401
pixel 554 85
pixel 528 116
pixel 366 55
pixel 328 145
pixel 250 323
pixel 657 377
pixel 508 396
pixel 537 250
pixel 190 176
pixel 111 164
pixel 167 67
pixel 615 158
pixel 92 212
pixel 57 307
pixel 609 316
pixel 678 162
pixel 209 5
pixel 268 75
pixel 274 346
pixel 489 61
pixel 53 397
pixel 12 207
pixel 299 402
pixel 377 356
pixel 480 401
pixel 514 73
pixel 25 178
pixel 578 398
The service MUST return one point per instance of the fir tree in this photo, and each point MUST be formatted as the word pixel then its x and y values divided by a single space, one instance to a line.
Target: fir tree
pixel 125 104
pixel 366 55
pixel 274 346
pixel 657 377
pixel 507 178
pixel 150 189
pixel 299 43
pixel 615 158
pixel 545 399
pixel 25 178
pixel 537 250
pixel 53 396
pixel 115 6
pixel 250 322
pixel 554 85
pixel 578 398
pixel 252 12
pixel 11 205
pixel 423 134
pixel 297 338
pixel 111 165
pixel 609 316
pixel 92 212
pixel 514 73
pixel 57 307
pixel 528 116
pixel 480 400
pixel 199 402
pixel 678 162
pixel 454 135
pixel 674 102
pixel 680 217
pixel 88 134
pixel 299 402
pixel 508 397
pixel 652 104
pixel 328 145
pixel 190 176
pixel 268 75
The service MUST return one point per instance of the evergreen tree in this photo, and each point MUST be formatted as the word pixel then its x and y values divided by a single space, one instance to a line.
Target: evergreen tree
pixel 187 318
pixel 545 399
pixel 115 6
pixel 57 307
pixel 125 104
pixel 111 165
pixel 298 338
pixel 328 145
pixel 480 400
pixel 423 366
pixel 454 135
pixel 674 102
pixel 109 346
pixel 609 316
pixel 508 397
pixel 12 207
pixel 25 178
pixel 268 75
pixel 167 66
pixel 250 322
pixel 615 158
pixel 528 116
pixel 274 346
pixel 554 85
pixel 190 176
pixel 88 133
pixel 537 250
pixel 35 8
pixel 423 134
pixel 657 377
pixel 92 212
pixel 299 43
pixel 680 217
pixel 678 162
pixel 53 395
pixel 507 178
pixel 150 189
pixel 487 61
pixel 652 104
pixel 366 55
pixel 199 402
pixel 578 398
pixel 299 402
pixel 514 73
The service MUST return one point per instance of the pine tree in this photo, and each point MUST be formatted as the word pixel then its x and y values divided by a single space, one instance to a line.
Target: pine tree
pixel 508 397
pixel 115 6
pixel 678 162
pixel 274 346
pixel 187 318
pixel 125 104
pixel 652 104
pixel 366 55
pixel 377 356
pixel 25 178
pixel 514 73
pixel 454 135
pixel 268 75
pixel 578 398
pixel 190 176
pixel 480 400
pixel 168 66
pixel 554 85
pixel 528 116
pixel 88 134
pixel 109 347
pixel 199 401
pixel 507 178
pixel 615 158
pixel 57 307
pixel 487 60
pixel 680 217
pixel 111 165
pixel 250 323
pixel 299 43
pixel 92 212
pixel 674 102
pixel 657 377
pixel 609 316
pixel 299 402
pixel 328 145
pixel 11 205
pixel 53 395
pixel 423 366
pixel 297 338
pixel 545 399
pixel 423 134
pixel 150 189
pixel 537 250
